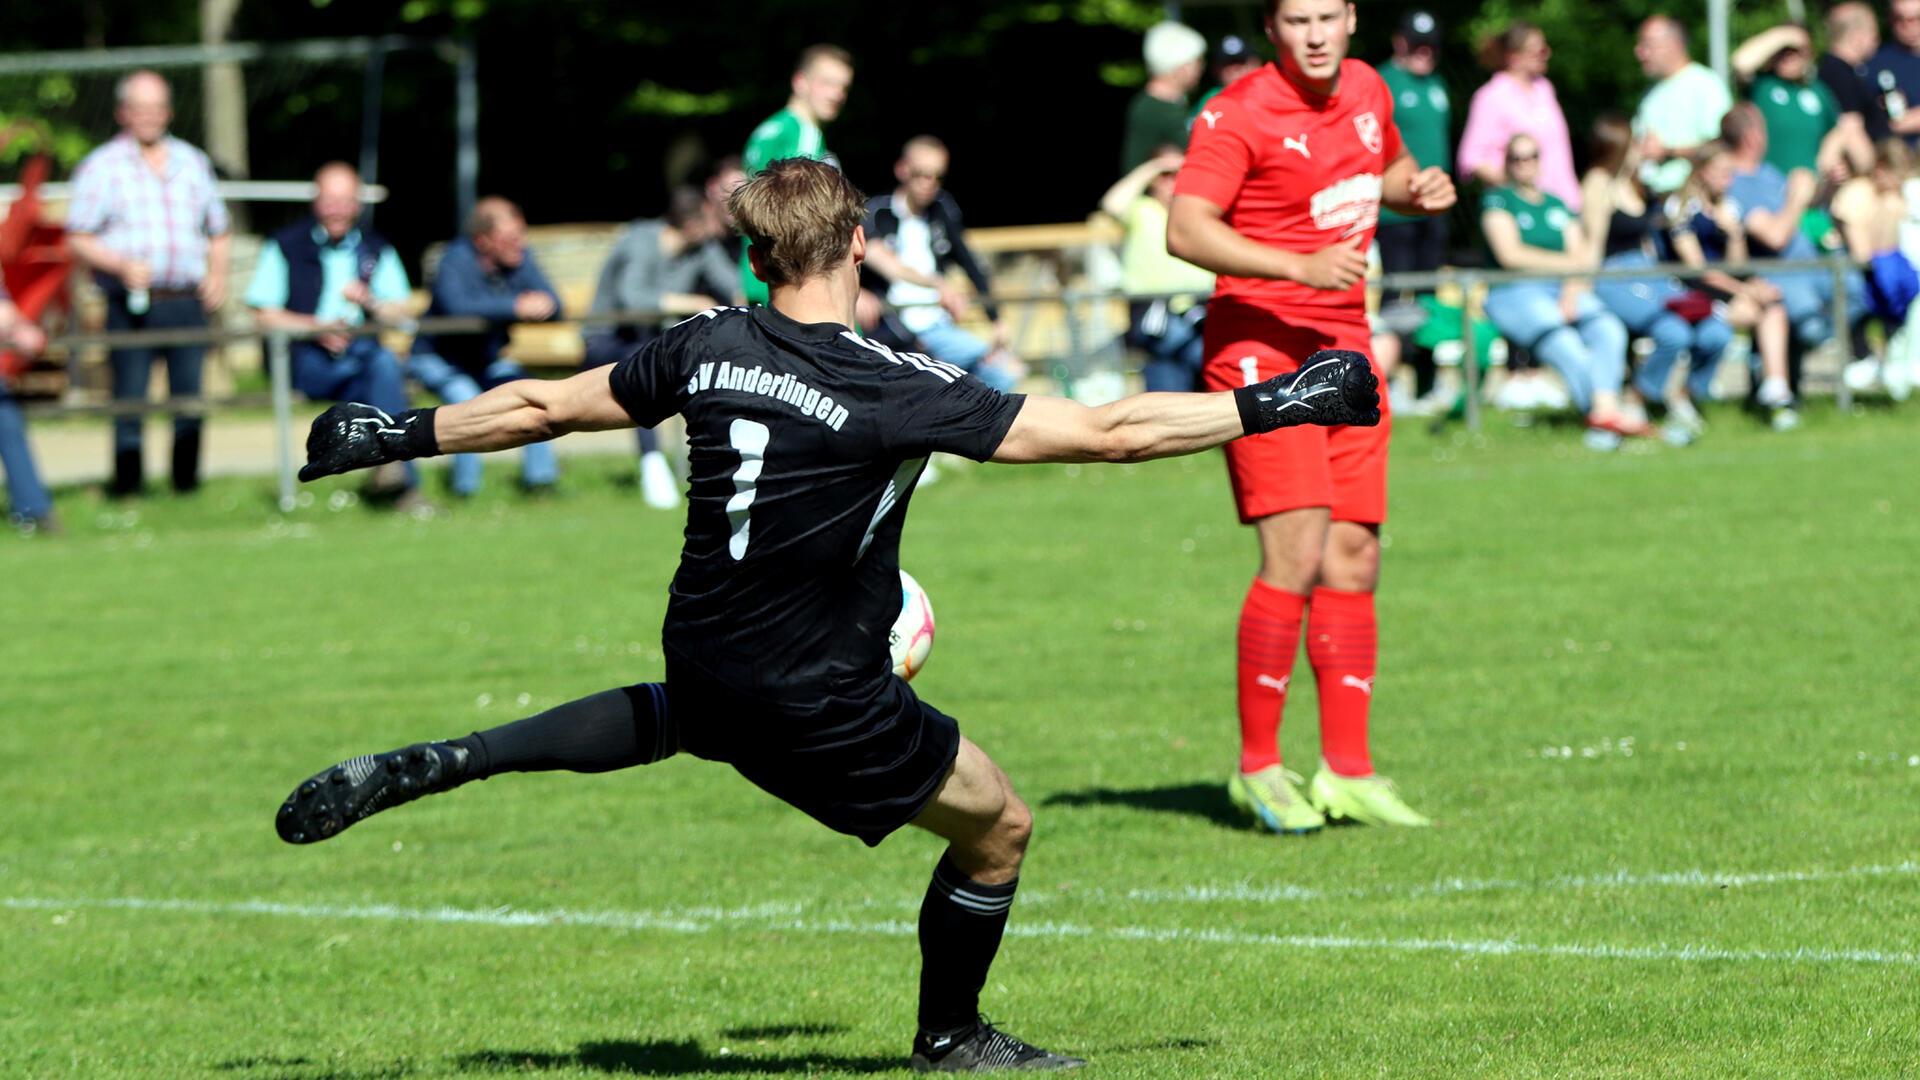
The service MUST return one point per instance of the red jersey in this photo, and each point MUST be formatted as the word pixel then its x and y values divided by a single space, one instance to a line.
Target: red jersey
pixel 1294 171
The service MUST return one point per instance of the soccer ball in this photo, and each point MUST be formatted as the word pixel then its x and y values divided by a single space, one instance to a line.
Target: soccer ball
pixel 911 638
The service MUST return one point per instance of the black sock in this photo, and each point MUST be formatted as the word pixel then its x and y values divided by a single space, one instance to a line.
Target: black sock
pixel 614 729
pixel 961 922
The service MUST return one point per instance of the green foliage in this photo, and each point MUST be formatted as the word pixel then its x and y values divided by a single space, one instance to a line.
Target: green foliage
pixel 652 99
pixel 1741 611
pixel 1593 67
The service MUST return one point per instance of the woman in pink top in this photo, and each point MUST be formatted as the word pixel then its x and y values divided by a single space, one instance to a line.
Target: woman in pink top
pixel 1518 100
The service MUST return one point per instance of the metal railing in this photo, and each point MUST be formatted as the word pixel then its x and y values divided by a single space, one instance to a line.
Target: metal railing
pixel 1472 283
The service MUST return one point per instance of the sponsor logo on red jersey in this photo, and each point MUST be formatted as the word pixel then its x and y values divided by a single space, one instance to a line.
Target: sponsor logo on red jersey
pixel 1352 204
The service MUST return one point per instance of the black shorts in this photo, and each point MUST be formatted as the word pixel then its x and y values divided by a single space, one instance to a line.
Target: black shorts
pixel 863 760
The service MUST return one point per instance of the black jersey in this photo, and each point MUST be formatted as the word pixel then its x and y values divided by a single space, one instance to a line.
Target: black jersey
pixel 804 441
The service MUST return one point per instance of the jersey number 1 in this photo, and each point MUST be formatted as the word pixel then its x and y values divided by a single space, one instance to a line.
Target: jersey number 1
pixel 749 439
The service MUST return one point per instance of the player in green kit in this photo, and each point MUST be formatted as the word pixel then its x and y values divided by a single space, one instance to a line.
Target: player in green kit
pixel 820 81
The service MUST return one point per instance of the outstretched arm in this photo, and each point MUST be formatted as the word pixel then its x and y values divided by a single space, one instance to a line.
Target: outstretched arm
pixel 355 436
pixel 1330 388
pixel 528 411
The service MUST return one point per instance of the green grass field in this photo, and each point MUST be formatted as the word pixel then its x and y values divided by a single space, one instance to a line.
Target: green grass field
pixel 1661 704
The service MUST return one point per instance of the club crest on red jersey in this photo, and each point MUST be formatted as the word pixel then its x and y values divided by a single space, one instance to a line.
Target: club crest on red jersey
pixel 1368 126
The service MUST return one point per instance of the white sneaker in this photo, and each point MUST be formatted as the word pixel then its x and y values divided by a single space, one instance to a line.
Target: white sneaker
pixel 659 488
pixel 1601 441
pixel 1516 395
pixel 1550 395
pixel 1898 377
pixel 1861 376
pixel 1680 411
pixel 1774 394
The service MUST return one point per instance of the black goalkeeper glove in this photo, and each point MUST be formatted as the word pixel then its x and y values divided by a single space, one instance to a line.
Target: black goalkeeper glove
pixel 1334 387
pixel 355 436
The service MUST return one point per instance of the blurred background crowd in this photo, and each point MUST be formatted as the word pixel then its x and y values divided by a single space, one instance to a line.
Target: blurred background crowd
pixel 1805 152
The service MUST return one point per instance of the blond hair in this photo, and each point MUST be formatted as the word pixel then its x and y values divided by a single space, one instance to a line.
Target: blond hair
pixel 800 215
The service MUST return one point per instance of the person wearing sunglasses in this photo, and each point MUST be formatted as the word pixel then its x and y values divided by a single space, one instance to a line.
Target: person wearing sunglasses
pixel 1528 228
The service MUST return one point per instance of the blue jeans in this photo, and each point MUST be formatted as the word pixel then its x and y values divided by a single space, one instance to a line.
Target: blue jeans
pixel 27 497
pixel 945 341
pixel 1172 342
pixel 133 367
pixel 366 372
pixel 1590 353
pixel 1641 306
pixel 1808 298
pixel 454 385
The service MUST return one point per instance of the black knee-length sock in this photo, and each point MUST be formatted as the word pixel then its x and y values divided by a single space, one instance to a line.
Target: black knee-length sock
pixel 614 729
pixel 961 922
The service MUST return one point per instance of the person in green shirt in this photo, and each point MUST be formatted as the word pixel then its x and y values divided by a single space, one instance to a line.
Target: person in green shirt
pixel 1176 57
pixel 1559 319
pixel 1805 127
pixel 820 81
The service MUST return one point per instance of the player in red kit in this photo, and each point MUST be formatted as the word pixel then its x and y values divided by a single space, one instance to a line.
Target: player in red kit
pixel 1283 182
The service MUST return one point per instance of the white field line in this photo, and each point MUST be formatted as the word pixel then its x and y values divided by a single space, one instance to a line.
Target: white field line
pixel 780 917
pixel 1248 892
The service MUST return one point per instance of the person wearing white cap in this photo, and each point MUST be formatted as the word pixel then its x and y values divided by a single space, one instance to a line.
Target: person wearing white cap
pixel 1176 58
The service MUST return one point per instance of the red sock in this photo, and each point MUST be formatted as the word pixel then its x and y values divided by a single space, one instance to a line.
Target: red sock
pixel 1342 641
pixel 1269 639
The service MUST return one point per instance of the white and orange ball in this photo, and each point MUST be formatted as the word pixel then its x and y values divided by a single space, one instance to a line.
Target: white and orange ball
pixel 911 638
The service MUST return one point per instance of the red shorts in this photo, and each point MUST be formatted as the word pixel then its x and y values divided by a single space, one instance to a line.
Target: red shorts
pixel 1341 468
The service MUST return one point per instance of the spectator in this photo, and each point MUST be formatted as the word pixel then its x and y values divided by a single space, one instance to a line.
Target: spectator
pixel 1873 212
pixel 1233 60
pixel 727 175
pixel 672 265
pixel 1771 207
pixel 1805 129
pixel 1853 37
pixel 1166 327
pixel 1896 70
pixel 1628 229
pixel 1706 228
pixel 1518 100
pixel 1530 228
pixel 1176 58
pixel 324 272
pixel 919 225
pixel 1682 109
pixel 1423 112
pixel 818 91
pixel 29 506
pixel 489 273
pixel 148 220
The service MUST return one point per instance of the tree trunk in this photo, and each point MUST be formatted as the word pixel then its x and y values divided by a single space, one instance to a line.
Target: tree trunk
pixel 226 96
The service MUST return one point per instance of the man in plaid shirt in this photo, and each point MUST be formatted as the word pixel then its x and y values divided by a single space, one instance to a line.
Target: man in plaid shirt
pixel 147 219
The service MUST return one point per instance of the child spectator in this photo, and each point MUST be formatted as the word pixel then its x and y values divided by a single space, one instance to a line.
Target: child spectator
pixel 1166 327
pixel 1628 230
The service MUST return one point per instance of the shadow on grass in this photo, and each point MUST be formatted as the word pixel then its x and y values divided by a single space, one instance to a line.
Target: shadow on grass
pixel 304 1068
pixel 782 1031
pixel 675 1057
pixel 1206 801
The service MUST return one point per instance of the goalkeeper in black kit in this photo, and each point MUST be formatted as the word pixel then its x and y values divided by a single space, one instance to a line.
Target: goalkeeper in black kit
pixel 804 442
